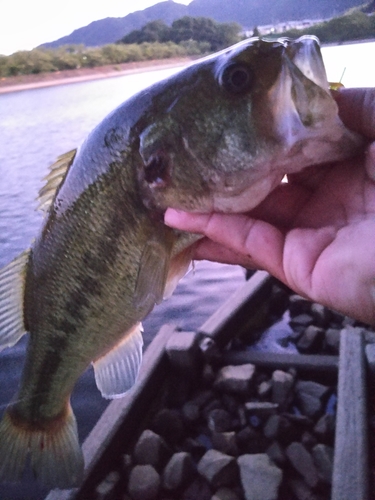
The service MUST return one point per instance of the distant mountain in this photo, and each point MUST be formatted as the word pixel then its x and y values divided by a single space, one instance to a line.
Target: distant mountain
pixel 111 29
pixel 248 13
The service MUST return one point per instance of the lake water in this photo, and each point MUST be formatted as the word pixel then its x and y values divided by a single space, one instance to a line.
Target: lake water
pixel 38 125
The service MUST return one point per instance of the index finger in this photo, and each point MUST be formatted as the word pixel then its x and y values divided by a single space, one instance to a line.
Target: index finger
pixel 357 109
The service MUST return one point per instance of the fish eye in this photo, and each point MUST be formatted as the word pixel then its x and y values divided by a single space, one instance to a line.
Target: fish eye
pixel 237 78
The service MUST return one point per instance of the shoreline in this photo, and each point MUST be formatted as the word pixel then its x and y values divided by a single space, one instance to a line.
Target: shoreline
pixel 29 82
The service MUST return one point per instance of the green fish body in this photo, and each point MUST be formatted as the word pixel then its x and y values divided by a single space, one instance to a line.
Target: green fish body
pixel 219 135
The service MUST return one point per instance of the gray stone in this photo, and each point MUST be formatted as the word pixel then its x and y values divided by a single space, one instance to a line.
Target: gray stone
pixel 323 458
pixel 310 396
pixel 303 463
pixel 190 411
pixel 308 440
pixel 301 321
pixel 225 442
pixel 178 471
pixel 182 349
pixel 311 340
pixel 301 490
pixel 144 483
pixel 314 388
pixel 260 478
pixel 310 405
pixel 272 427
pixel 332 340
pixel 105 488
pixel 219 420
pixel 321 314
pixel 169 425
pixel 235 379
pixel 225 494
pixel 282 384
pixel 276 453
pixel 264 388
pixel 151 449
pixel 218 468
pixel 325 427
pixel 197 489
pixel 261 408
pixel 298 305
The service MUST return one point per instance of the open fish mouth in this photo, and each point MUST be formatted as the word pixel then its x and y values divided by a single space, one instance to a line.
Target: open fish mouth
pixel 305 54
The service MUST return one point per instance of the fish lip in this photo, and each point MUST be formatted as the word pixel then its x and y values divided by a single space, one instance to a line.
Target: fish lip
pixel 304 53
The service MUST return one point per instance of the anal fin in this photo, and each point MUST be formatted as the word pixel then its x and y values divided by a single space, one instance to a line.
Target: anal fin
pixel 12 279
pixel 116 371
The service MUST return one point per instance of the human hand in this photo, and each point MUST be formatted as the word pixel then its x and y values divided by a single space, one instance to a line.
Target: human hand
pixel 315 233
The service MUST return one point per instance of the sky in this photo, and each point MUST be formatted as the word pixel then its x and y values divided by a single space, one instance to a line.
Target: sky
pixel 25 24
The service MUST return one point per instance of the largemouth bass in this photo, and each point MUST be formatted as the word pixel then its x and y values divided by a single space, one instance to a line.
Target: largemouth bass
pixel 219 135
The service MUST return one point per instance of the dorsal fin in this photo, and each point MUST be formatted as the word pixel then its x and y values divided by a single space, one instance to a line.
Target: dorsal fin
pixel 53 180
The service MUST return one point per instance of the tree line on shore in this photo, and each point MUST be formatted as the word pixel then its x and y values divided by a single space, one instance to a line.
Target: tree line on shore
pixel 187 36
pixel 192 37
pixel 355 25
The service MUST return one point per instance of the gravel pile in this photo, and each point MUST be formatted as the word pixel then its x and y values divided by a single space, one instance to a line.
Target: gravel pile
pixel 240 432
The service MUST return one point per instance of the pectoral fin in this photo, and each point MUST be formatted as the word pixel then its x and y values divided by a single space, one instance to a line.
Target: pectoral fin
pixel 116 372
pixel 178 268
pixel 12 279
pixel 53 180
pixel 152 277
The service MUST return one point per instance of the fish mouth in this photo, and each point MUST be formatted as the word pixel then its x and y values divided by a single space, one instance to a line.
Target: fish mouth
pixel 305 54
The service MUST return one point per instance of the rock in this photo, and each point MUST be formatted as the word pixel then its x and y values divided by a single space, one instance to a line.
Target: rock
pixel 264 389
pixel 106 487
pixel 282 384
pixel 276 453
pixel 301 321
pixel 303 463
pixel 325 427
pixel 310 396
pixel 169 425
pixel 219 420
pixel 301 490
pixel 225 494
pixel 190 412
pixel 261 408
pixel 250 440
pixel 311 340
pixel 208 374
pixel 321 314
pixel 260 478
pixel 219 469
pixel 323 459
pixel 196 448
pixel 202 398
pixel 308 440
pixel 298 305
pixel 198 489
pixel 225 442
pixel 230 403
pixel 272 427
pixel 332 340
pixel 151 449
pixel 235 379
pixel 144 483
pixel 178 471
pixel 182 349
pixel 309 405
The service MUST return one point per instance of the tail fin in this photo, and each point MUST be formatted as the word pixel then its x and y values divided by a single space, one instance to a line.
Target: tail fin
pixel 55 455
